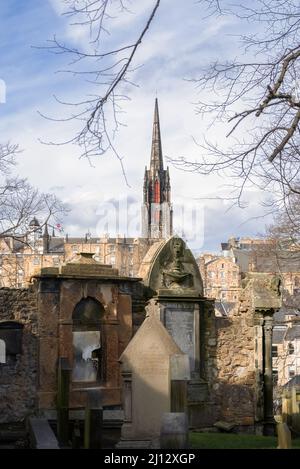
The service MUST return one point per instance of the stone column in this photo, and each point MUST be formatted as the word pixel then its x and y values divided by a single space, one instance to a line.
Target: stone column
pixel 93 423
pixel 269 423
pixel 127 396
pixel 63 384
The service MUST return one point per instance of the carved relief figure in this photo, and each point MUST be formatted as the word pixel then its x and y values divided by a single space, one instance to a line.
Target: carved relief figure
pixel 175 277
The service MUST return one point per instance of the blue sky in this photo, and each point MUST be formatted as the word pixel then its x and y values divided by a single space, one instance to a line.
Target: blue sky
pixel 180 40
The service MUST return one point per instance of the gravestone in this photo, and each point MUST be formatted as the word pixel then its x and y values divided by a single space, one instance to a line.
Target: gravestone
pixel 173 280
pixel 146 372
pixel 284 436
pixel 174 431
pixel 41 434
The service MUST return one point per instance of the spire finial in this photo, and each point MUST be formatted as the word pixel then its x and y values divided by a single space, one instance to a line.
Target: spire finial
pixel 156 150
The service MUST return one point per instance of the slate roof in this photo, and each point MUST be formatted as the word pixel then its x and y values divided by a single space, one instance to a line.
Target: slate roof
pixel 56 245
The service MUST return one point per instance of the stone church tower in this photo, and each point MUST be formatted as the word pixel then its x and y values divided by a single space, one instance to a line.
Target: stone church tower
pixel 157 211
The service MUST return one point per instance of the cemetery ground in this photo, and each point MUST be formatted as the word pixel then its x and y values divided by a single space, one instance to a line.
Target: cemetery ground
pixel 199 440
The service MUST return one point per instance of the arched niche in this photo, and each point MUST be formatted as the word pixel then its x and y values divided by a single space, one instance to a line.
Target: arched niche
pixel 11 335
pixel 88 341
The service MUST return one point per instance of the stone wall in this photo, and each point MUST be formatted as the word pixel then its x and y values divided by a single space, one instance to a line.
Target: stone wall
pixel 18 376
pixel 234 381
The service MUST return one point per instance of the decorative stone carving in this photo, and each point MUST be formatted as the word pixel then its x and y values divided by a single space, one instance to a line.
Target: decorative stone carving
pixel 175 277
pixel 171 270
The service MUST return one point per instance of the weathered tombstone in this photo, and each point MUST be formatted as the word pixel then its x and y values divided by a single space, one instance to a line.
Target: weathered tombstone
pixel 295 410
pixel 287 407
pixel 41 434
pixel 93 423
pixel 174 431
pixel 76 439
pixel 146 372
pixel 63 383
pixel 284 436
pixel 171 274
pixel 180 375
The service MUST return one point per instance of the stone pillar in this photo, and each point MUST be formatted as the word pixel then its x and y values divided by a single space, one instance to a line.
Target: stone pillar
pixel 93 421
pixel 63 383
pixel 269 423
pixel 127 397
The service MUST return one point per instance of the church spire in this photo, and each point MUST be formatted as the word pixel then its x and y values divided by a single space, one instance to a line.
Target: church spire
pixel 156 163
pixel 157 208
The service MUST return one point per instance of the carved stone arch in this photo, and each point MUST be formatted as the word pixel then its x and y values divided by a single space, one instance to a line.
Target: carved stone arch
pixel 171 258
pixel 11 334
pixel 88 312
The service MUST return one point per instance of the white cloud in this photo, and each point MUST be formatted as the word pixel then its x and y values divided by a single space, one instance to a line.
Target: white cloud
pixel 177 42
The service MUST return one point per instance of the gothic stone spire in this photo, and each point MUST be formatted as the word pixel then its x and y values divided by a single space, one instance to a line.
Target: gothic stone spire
pixel 157 209
pixel 156 163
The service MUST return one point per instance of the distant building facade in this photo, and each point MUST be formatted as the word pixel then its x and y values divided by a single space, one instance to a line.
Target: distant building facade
pixel 223 275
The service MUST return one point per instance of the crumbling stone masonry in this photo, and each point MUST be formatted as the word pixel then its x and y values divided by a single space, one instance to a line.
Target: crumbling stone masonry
pixel 18 375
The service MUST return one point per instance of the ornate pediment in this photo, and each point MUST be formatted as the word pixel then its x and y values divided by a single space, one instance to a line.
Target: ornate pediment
pixel 171 270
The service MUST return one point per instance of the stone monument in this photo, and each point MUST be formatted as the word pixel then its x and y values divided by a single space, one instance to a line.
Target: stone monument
pixel 172 276
pixel 146 372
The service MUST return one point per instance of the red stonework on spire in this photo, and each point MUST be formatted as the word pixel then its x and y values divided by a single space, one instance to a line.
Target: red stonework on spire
pixel 157 220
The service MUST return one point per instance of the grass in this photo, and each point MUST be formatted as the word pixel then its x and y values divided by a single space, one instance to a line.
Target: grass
pixel 234 441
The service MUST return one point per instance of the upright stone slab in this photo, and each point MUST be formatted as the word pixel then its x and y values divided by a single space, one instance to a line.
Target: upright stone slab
pixel 174 431
pixel 284 436
pixel 146 372
pixel 63 390
pixel 173 279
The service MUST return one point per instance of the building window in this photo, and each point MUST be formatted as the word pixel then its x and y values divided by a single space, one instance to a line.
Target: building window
pixel 222 266
pixel 291 348
pixel 275 377
pixel 113 260
pixel 291 373
pixel 222 275
pixel 223 295
pixel 130 248
pixel 111 248
pixel 211 274
pixel 274 351
pixel 55 260
pixel 36 261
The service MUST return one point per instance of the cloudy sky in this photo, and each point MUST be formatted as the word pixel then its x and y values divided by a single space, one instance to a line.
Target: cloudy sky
pixel 180 40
